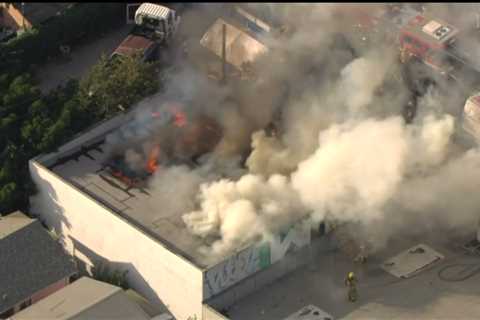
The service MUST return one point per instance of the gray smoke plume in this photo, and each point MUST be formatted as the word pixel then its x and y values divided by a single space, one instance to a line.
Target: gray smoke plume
pixel 345 152
pixel 341 150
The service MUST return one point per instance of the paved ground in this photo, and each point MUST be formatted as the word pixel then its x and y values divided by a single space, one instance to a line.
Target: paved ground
pixel 82 59
pixel 193 25
pixel 382 296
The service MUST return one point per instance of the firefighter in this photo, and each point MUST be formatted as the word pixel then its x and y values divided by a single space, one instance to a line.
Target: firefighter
pixel 351 283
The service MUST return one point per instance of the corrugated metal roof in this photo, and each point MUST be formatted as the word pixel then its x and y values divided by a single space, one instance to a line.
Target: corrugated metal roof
pixel 240 46
pixel 155 10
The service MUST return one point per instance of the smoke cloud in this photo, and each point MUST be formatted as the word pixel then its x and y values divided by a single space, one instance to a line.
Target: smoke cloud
pixel 240 211
pixel 345 153
pixel 341 149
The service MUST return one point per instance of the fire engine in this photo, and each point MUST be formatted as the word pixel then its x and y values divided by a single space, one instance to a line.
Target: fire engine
pixel 434 42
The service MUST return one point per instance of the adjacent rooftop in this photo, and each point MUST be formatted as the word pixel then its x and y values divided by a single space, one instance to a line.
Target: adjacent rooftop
pixel 30 259
pixel 85 299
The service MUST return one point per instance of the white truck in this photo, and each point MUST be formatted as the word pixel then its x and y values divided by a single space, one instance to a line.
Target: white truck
pixel 155 25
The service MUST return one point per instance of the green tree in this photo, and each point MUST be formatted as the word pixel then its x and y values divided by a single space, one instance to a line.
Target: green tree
pixel 8 197
pixel 113 85
pixel 20 94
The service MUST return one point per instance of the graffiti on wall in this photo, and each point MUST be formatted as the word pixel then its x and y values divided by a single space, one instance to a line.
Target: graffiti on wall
pixel 290 240
pixel 254 259
pixel 236 268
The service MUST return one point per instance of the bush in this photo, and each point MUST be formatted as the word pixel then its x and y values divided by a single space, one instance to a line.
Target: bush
pixel 102 272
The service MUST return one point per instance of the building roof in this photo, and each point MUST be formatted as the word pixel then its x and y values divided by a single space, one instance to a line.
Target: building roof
pixel 37 13
pixel 134 44
pixel 150 309
pixel 139 206
pixel 81 163
pixel 86 299
pixel 240 47
pixel 30 259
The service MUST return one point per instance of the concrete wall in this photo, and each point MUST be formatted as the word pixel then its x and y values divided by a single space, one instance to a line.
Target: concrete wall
pixel 257 266
pixel 211 314
pixel 234 269
pixel 91 229
pixel 257 281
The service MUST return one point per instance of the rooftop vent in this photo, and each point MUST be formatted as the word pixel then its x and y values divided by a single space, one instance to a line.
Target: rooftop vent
pixel 437 30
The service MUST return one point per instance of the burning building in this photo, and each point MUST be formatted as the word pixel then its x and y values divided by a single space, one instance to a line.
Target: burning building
pixel 119 191
pixel 164 137
pixel 97 192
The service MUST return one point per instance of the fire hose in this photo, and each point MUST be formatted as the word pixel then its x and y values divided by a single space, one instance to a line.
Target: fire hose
pixel 466 267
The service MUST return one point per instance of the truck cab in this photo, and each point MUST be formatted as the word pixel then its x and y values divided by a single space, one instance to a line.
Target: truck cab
pixel 160 22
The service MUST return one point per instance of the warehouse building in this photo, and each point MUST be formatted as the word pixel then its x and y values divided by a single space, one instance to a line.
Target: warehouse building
pixel 100 218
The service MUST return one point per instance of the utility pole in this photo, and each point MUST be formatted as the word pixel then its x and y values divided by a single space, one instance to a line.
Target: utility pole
pixel 23 15
pixel 224 54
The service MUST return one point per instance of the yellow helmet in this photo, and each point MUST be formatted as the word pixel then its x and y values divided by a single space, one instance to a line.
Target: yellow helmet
pixel 350 275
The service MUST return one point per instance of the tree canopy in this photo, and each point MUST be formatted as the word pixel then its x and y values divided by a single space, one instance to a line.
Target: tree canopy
pixel 32 123
pixel 117 84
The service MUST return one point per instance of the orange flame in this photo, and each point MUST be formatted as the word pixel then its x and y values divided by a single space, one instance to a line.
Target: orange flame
pixel 152 164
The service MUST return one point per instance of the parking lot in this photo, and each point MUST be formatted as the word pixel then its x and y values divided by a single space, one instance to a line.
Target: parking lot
pixel 82 59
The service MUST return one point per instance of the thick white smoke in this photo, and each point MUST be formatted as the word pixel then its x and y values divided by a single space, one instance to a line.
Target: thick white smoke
pixel 240 211
pixel 341 150
pixel 343 154
pixel 358 168
pixel 355 170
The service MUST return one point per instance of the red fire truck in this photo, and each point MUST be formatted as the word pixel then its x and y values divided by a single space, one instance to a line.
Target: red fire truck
pixel 434 42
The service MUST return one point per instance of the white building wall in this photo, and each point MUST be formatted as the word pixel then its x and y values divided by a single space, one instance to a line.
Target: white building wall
pixel 211 314
pixel 256 266
pixel 154 271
